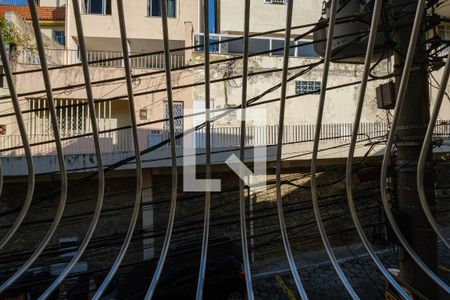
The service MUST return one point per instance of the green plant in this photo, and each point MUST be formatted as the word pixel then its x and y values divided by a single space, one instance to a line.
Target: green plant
pixel 12 35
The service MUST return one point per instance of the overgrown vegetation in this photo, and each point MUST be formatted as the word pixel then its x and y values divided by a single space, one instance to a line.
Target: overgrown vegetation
pixel 13 36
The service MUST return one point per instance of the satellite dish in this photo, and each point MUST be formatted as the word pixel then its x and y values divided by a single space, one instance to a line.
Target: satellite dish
pixel 352 34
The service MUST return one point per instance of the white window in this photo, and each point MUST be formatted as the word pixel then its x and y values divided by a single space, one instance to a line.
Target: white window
pixel 307 87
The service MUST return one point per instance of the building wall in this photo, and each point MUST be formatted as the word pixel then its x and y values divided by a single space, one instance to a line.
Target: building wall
pixel 53 3
pixel 152 104
pixel 265 17
pixel 340 103
pixel 144 32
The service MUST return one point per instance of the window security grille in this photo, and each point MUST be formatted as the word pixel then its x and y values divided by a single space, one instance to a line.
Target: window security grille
pixel 307 87
pixel 275 1
pixel 177 112
pixel 72 114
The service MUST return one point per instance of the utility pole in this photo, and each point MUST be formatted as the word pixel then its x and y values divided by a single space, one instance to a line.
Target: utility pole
pixel 410 135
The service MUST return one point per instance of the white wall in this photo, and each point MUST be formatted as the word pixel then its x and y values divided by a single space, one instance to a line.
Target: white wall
pixel 265 17
pixel 340 103
pixel 52 3
pixel 103 30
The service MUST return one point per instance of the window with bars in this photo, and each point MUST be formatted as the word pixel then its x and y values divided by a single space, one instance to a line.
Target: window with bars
pixel 59 37
pixel 307 87
pixel 154 8
pixel 178 110
pixel 72 115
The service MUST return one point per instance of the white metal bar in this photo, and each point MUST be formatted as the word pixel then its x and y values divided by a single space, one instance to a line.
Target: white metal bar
pixel 62 170
pixel 173 153
pixel 242 198
pixel 282 221
pixel 207 214
pixel 424 153
pixel 100 172
pixel 139 176
pixel 26 145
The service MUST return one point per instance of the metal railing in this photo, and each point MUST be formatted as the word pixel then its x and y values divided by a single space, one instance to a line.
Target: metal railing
pixel 256 45
pixel 68 56
pixel 221 137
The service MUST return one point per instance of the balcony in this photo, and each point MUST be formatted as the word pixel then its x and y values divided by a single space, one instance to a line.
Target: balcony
pixel 262 44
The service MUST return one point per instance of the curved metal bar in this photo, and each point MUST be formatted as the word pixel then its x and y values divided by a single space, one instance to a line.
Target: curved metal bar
pixel 315 201
pixel 137 153
pixel 1 178
pixel 423 156
pixel 284 234
pixel 59 151
pixel 242 214
pixel 351 152
pixel 207 216
pixel 387 153
pixel 101 174
pixel 173 202
pixel 26 144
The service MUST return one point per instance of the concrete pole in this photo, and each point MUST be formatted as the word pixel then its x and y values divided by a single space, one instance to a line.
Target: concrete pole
pixel 410 135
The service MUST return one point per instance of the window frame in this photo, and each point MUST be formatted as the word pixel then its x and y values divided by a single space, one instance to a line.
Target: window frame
pixel 104 8
pixel 149 10
pixel 55 34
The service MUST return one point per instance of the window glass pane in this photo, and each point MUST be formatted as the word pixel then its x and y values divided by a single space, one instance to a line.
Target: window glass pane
pixel 155 8
pixel 307 50
pixel 199 40
pixel 95 7
pixel 108 7
pixel 232 47
pixel 280 44
pixel 58 36
pixel 258 45
pixel 171 8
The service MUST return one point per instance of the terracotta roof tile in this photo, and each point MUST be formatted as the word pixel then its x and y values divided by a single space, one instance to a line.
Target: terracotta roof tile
pixel 45 13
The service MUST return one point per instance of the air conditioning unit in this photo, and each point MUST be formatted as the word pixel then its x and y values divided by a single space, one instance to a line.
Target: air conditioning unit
pixel 351 44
